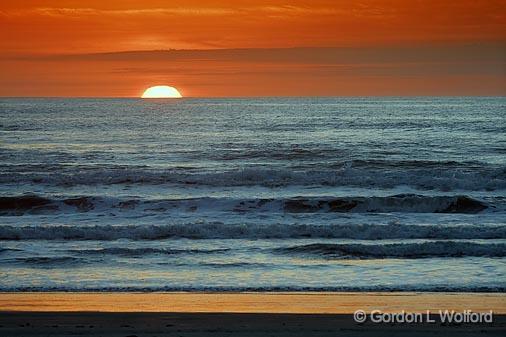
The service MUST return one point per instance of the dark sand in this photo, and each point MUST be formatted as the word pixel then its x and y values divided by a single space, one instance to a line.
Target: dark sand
pixel 219 324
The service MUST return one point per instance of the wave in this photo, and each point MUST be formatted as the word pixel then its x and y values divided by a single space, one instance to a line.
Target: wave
pixel 4 250
pixel 217 265
pixel 219 230
pixel 42 261
pixel 396 203
pixel 399 250
pixel 410 203
pixel 445 176
pixel 132 252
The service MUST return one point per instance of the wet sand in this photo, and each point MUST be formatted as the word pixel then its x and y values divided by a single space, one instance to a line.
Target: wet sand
pixel 237 314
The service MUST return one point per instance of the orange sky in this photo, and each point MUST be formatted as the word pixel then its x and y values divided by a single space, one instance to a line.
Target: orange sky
pixel 239 48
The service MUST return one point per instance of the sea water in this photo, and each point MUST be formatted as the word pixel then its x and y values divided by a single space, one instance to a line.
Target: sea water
pixel 253 194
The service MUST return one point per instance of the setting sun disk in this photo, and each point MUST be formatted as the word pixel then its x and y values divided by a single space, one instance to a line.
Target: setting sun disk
pixel 161 91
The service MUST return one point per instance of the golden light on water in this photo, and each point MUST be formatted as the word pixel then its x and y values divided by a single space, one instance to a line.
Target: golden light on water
pixel 161 91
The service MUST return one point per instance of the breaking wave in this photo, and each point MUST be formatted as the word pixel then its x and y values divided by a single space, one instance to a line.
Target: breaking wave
pixel 410 203
pixel 219 230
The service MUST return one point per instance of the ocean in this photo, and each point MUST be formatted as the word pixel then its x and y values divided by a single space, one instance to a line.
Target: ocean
pixel 260 194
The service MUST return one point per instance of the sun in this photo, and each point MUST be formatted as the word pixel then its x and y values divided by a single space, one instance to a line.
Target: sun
pixel 161 91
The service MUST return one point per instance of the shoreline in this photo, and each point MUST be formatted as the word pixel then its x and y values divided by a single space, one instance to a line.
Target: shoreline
pixel 250 302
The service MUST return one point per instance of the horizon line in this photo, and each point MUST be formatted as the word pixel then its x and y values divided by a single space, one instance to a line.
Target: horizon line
pixel 249 97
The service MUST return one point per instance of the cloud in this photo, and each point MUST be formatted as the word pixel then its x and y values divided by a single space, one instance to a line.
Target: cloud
pixel 447 53
pixel 286 10
pixel 52 11
pixel 87 12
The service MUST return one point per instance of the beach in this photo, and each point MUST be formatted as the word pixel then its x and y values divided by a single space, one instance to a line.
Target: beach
pixel 238 314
